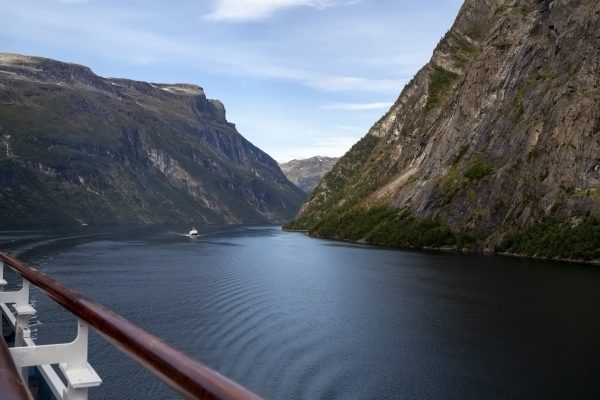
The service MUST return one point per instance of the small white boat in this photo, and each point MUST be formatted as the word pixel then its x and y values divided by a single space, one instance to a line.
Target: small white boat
pixel 193 232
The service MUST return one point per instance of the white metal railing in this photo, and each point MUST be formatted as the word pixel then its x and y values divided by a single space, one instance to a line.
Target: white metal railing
pixel 71 357
pixel 189 377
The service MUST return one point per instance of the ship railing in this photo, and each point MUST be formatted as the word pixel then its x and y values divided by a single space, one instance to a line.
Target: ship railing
pixel 187 376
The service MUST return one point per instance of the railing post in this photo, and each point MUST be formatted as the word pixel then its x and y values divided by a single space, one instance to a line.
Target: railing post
pixel 71 358
pixel 189 377
pixel 2 284
pixel 75 394
pixel 77 369
pixel 23 309
pixel 2 280
pixel 24 312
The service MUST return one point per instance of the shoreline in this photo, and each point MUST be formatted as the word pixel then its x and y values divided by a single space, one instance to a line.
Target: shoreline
pixel 594 263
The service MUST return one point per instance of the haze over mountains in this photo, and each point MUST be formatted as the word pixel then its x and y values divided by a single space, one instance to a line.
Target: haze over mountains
pixel 79 148
pixel 307 173
pixel 495 143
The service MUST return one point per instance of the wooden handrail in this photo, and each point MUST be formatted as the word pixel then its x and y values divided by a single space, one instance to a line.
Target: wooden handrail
pixel 13 387
pixel 185 375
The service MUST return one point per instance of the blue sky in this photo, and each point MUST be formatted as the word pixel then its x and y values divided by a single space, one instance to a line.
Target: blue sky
pixel 297 77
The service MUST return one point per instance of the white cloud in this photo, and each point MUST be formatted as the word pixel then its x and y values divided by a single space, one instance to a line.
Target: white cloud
pixel 357 106
pixel 334 60
pixel 120 39
pixel 335 146
pixel 352 83
pixel 255 10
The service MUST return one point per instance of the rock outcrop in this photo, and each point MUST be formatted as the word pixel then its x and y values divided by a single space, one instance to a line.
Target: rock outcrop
pixel 494 143
pixel 307 173
pixel 79 148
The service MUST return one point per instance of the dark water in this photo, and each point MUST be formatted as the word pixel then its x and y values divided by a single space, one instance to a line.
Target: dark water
pixel 291 317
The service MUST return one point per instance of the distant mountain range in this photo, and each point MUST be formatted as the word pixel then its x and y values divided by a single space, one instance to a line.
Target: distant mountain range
pixel 494 145
pixel 79 148
pixel 307 173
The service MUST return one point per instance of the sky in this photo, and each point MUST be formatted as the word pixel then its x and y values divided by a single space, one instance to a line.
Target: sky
pixel 299 78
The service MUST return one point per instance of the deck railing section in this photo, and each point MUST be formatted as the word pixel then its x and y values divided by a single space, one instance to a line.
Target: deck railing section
pixel 71 357
pixel 187 376
pixel 11 385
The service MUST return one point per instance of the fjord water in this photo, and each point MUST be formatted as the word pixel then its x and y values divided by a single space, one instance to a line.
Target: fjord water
pixel 292 317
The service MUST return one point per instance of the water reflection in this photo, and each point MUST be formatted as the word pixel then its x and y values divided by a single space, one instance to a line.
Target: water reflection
pixel 294 317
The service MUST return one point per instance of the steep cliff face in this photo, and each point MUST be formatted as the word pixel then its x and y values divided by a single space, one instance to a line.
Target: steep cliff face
pixel 75 147
pixel 498 135
pixel 307 173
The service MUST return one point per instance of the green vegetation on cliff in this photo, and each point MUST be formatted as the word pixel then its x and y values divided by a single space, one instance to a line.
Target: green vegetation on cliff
pixel 345 175
pixel 78 148
pixel 441 80
pixel 386 226
pixel 496 136
pixel 578 238
pixel 478 170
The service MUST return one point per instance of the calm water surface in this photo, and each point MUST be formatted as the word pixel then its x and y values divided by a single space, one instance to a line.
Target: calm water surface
pixel 291 317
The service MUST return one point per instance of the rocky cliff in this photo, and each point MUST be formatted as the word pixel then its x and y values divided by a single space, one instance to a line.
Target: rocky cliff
pixel 307 173
pixel 79 148
pixel 494 145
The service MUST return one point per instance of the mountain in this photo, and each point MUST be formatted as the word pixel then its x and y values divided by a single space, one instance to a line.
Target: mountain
pixel 494 145
pixel 79 148
pixel 307 173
